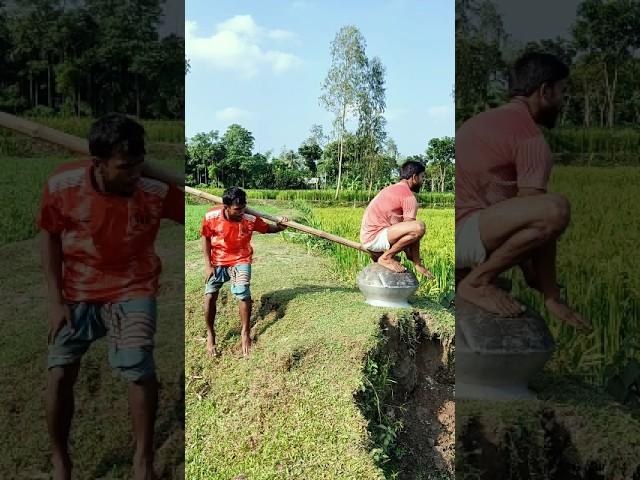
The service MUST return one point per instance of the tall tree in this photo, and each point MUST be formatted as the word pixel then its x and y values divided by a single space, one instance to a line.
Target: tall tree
pixel 440 155
pixel 608 32
pixel 343 82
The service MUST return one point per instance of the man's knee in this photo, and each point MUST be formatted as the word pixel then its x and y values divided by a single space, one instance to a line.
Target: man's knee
pixel 420 229
pixel 64 377
pixel 558 212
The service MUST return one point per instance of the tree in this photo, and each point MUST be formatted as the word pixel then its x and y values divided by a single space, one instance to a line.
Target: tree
pixel 371 121
pixel 607 32
pixel 205 153
pixel 440 155
pixel 238 142
pixel 343 82
pixel 311 152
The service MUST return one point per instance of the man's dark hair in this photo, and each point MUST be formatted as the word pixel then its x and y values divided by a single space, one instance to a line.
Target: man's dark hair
pixel 410 168
pixel 533 69
pixel 116 133
pixel 234 195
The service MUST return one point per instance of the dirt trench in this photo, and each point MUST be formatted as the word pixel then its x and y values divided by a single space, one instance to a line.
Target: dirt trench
pixel 421 396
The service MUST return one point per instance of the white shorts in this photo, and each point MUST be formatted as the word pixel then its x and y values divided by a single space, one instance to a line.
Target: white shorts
pixel 470 250
pixel 380 243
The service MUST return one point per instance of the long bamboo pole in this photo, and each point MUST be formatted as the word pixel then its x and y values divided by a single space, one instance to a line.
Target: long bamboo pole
pixel 298 226
pixel 41 132
pixel 79 145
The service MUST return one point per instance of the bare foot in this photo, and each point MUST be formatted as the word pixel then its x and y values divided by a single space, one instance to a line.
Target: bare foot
pixel 144 471
pixel 490 298
pixel 424 272
pixel 61 468
pixel 392 264
pixel 211 346
pixel 246 344
pixel 559 309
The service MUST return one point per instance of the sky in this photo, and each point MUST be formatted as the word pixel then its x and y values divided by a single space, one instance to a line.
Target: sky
pixel 261 63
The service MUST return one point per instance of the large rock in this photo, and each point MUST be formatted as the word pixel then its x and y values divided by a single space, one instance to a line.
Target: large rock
pixel 383 288
pixel 495 356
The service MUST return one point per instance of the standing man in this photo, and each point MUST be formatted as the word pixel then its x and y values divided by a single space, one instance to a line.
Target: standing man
pixel 99 220
pixel 389 225
pixel 226 246
pixel 504 213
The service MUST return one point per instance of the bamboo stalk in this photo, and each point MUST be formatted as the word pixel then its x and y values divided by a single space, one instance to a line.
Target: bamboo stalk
pixel 79 145
pixel 291 224
pixel 51 135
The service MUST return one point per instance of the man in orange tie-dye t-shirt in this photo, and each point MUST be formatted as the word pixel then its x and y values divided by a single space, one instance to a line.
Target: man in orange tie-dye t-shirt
pixel 226 245
pixel 504 214
pixel 99 220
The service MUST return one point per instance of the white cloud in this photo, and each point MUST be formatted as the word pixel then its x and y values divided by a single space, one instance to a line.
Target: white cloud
pixel 238 45
pixel 440 112
pixel 233 114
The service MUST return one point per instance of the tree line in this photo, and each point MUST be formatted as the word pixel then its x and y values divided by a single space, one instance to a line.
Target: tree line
pixel 71 58
pixel 602 52
pixel 229 159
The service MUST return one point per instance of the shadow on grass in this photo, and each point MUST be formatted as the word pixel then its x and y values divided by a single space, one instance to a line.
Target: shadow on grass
pixel 272 306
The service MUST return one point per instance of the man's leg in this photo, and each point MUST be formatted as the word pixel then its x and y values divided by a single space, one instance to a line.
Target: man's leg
pixel 245 319
pixel 60 407
pixel 210 300
pixel 511 232
pixel 400 236
pixel 413 254
pixel 143 404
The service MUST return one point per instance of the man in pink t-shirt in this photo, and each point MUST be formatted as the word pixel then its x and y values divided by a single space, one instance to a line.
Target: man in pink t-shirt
pixel 504 214
pixel 389 224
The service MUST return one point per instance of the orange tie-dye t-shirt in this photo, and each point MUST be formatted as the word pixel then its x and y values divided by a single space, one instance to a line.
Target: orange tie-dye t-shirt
pixel 498 152
pixel 107 240
pixel 230 241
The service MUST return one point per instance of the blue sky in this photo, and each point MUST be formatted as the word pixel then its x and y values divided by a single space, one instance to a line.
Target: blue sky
pixel 262 64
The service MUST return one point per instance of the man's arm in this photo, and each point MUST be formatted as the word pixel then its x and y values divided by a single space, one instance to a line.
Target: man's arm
pixel 51 257
pixel 278 227
pixel 206 251
pixel 540 272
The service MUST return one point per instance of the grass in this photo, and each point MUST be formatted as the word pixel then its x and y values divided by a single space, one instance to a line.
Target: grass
pixel 595 264
pixel 571 422
pixel 289 409
pixel 101 439
pixel 595 146
pixel 156 130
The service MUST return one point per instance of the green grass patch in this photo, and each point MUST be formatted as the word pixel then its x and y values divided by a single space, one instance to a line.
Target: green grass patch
pixel 289 409
pixel 427 199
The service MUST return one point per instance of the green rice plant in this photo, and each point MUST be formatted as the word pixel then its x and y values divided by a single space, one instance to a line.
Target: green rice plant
pixel 595 265
pixel 437 247
pixel 358 197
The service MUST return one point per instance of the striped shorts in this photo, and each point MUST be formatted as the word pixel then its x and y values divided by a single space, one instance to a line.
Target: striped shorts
pixel 129 327
pixel 240 277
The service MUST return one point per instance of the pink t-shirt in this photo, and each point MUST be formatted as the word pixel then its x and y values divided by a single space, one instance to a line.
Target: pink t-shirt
pixel 498 152
pixel 392 205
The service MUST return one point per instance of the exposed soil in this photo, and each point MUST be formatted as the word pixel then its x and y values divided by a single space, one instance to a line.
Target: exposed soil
pixel 423 397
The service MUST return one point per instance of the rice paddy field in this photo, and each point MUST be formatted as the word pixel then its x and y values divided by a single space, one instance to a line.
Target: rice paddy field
pixel 437 247
pixel 597 265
